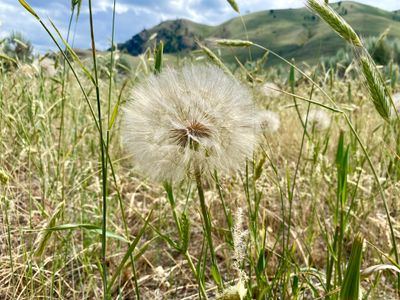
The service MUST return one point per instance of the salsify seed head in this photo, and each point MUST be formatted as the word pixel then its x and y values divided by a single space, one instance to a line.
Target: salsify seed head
pixel 318 119
pixel 188 120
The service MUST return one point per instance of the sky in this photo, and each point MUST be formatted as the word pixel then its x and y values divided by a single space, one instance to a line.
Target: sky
pixel 132 16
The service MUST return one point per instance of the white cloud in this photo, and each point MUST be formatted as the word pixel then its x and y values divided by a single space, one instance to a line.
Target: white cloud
pixel 8 8
pixel 107 5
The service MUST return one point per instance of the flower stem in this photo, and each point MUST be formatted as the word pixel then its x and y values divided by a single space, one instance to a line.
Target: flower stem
pixel 207 226
pixel 199 281
pixel 171 200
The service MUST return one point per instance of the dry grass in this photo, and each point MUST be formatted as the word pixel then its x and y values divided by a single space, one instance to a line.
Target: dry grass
pixel 42 173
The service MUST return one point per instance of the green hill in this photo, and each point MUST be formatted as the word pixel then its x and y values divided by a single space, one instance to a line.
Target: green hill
pixel 293 33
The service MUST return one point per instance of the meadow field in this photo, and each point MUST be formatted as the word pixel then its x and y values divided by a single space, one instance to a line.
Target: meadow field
pixel 272 183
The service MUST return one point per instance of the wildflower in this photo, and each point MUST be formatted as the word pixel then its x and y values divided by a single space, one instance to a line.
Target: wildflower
pixel 270 89
pixel 318 119
pixel 46 66
pixel 195 119
pixel 236 292
pixel 269 121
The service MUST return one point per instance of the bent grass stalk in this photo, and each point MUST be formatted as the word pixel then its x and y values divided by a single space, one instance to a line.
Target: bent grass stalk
pixel 110 122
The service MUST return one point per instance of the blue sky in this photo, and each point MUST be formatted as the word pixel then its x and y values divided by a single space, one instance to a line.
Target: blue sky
pixel 132 16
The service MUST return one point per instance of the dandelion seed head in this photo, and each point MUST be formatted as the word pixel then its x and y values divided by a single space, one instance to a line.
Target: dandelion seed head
pixel 269 121
pixel 191 119
pixel 318 119
pixel 269 89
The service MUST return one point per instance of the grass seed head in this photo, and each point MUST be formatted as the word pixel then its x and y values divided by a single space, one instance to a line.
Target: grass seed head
pixel 376 87
pixel 192 118
pixel 337 23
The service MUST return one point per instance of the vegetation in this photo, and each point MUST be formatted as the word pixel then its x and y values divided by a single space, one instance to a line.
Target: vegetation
pixel 311 213
pixel 293 33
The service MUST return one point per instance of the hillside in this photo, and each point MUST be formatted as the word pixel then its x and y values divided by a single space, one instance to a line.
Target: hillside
pixel 293 33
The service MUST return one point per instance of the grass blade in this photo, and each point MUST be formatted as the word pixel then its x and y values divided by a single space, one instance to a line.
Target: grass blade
pixel 234 5
pixel 351 283
pixel 28 8
pixel 159 58
pixel 128 253
pixel 74 55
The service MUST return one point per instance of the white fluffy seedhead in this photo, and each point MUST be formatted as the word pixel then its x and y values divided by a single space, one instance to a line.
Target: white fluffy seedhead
pixel 318 119
pixel 191 119
pixel 396 101
pixel 270 89
pixel 269 121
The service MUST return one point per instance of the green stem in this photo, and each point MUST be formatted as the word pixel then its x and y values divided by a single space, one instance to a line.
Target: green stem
pixel 103 158
pixel 199 281
pixel 291 195
pixel 206 220
pixel 171 200
pixel 206 217
pixel 60 154
pixel 221 197
pixel 10 253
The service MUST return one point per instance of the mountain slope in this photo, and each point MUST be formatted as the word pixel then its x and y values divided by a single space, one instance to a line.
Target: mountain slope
pixel 293 33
